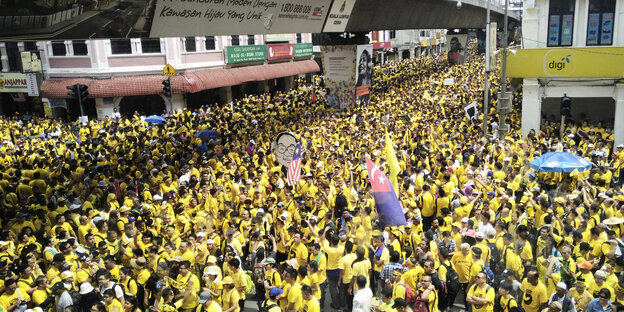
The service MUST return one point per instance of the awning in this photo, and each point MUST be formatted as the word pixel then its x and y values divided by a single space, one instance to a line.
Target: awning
pixel 188 82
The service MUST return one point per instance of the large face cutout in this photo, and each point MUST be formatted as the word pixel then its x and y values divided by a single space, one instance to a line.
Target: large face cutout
pixel 284 147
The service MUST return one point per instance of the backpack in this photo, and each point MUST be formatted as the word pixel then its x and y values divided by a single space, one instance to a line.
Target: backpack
pixel 76 298
pixel 452 280
pixel 140 294
pixel 409 294
pixel 265 308
pixel 421 305
pixel 495 257
pixel 488 273
pixel 249 283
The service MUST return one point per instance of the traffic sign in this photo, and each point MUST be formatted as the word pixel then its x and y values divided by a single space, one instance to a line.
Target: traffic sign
pixel 168 70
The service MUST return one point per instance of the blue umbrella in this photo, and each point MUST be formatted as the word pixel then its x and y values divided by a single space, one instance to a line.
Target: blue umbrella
pixel 207 134
pixel 560 162
pixel 155 119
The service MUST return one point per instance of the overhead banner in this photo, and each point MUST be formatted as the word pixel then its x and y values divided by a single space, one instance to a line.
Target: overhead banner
pixel 364 72
pixel 586 62
pixel 280 51
pixel 278 37
pixel 339 71
pixel 456 48
pixel 13 82
pixel 303 49
pixel 339 16
pixel 237 17
pixel 240 54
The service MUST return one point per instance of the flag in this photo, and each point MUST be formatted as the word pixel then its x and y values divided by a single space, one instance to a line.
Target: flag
pixel 386 202
pixel 313 96
pixel 294 170
pixel 427 97
pixel 393 163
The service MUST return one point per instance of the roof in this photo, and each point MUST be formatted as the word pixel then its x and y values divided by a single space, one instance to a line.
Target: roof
pixel 188 82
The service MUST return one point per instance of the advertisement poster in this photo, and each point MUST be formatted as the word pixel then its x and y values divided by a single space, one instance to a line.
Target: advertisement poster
pixel 553 30
pixel 13 82
pixel 592 28
pixel 339 70
pixel 237 17
pixel 240 54
pixel 364 73
pixel 339 16
pixel 456 48
pixel 606 31
pixel 280 51
pixel 567 24
pixel 303 50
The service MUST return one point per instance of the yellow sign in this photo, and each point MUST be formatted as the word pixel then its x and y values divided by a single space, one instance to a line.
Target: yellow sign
pixel 595 62
pixel 424 43
pixel 169 70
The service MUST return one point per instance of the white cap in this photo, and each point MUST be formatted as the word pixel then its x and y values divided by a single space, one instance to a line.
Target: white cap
pixel 85 288
pixel 156 197
pixel 562 285
pixel 284 215
pixel 260 210
pixel 464 219
pixel 202 234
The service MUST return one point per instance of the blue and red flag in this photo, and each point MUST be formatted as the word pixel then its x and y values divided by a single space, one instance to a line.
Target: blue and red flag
pixel 294 170
pixel 386 202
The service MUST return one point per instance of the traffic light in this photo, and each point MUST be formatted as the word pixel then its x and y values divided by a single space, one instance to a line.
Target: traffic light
pixel 566 104
pixel 167 87
pixel 79 92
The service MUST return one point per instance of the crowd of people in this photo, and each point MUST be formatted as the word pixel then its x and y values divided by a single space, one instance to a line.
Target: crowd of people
pixel 122 215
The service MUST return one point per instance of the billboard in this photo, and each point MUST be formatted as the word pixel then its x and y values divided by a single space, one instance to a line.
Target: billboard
pixel 240 54
pixel 237 17
pixel 338 16
pixel 364 72
pixel 456 48
pixel 280 51
pixel 339 68
pixel 303 49
pixel 13 82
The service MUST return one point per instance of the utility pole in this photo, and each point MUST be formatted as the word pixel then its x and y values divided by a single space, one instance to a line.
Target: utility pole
pixel 504 98
pixel 486 82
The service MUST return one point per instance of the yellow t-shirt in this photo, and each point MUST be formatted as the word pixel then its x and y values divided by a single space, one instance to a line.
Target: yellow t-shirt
pixel 361 268
pixel 311 305
pixel 534 296
pixel 230 299
pixel 486 293
pixel 462 264
pixel 114 306
pixel 294 296
pixel 508 303
pixel 333 255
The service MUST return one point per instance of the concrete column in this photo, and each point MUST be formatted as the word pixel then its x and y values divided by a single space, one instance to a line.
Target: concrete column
pixel 288 83
pixel 178 102
pixel 263 86
pixel 225 95
pixel 103 110
pixel 531 106
pixel 3 57
pixel 618 127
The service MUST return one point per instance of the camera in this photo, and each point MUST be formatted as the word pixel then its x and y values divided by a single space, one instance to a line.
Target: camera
pixel 459 5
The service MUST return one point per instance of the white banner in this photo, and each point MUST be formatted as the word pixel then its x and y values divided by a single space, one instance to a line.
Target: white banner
pixel 339 69
pixel 339 16
pixel 31 83
pixel 13 82
pixel 237 17
pixel 472 111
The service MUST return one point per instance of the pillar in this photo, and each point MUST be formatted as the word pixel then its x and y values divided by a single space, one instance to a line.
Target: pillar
pixel 178 102
pixel 225 95
pixel 102 109
pixel 263 86
pixel 288 83
pixel 4 58
pixel 618 127
pixel 531 106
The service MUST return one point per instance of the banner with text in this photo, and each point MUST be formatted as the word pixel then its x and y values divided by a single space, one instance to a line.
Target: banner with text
pixel 240 54
pixel 280 51
pixel 339 70
pixel 303 49
pixel 339 16
pixel 364 72
pixel 13 82
pixel 237 17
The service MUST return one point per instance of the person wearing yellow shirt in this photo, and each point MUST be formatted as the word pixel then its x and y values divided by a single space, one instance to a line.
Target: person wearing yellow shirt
pixel 346 276
pixel 183 282
pixel 298 250
pixel 507 302
pixel 240 282
pixel 427 207
pixel 111 304
pixel 600 278
pixel 294 298
pixel 477 266
pixel 271 304
pixel 462 261
pixel 481 295
pixel 334 252
pixel 310 303
pixel 360 266
pixel 12 296
pixel 230 296
pixel 380 258
pixel 534 295
pixel 399 288
pixel 580 295
pixel 206 304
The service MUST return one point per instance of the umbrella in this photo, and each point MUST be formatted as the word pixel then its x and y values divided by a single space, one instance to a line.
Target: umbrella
pixel 155 119
pixel 560 162
pixel 207 134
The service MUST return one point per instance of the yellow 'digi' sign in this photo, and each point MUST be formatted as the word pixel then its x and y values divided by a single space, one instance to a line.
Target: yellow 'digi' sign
pixel 582 62
pixel 168 70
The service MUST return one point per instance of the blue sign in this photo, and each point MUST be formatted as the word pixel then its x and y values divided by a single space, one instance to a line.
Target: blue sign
pixel 606 29
pixel 553 30
pixel 592 28
pixel 567 25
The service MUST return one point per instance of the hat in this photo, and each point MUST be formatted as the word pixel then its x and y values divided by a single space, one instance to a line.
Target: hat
pixel 280 204
pixel 138 262
pixel 585 265
pixel 259 211
pixel 600 274
pixel 204 296
pixel 292 262
pixel 274 292
pixel 229 232
pixel 562 285
pixel 248 181
pixel 57 286
pixel 535 189
pixel 456 224
pixel 507 272
pixel 227 280
pixel 491 193
pixel 479 235
pixel 399 303
pixel 464 219
pixel 212 270
pixel 269 260
pixel 613 221
pixel 476 250
pixel 58 257
pixel 85 288
pixel 123 209
pixel 284 215
pixel 66 275
pixel 156 197
pixel 178 259
pixel 201 234
pixel 211 259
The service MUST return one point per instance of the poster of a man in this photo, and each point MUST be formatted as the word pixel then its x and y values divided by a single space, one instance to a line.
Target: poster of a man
pixel 364 72
pixel 456 48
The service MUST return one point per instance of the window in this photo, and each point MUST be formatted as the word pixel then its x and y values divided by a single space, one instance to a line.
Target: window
pixel 30 46
pixel 210 43
pixel 560 23
pixel 80 47
pixel 299 38
pixel 150 45
pixel 189 44
pixel 58 48
pixel 251 39
pixel 422 33
pixel 234 40
pixel 121 46
pixel 392 34
pixel 600 22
